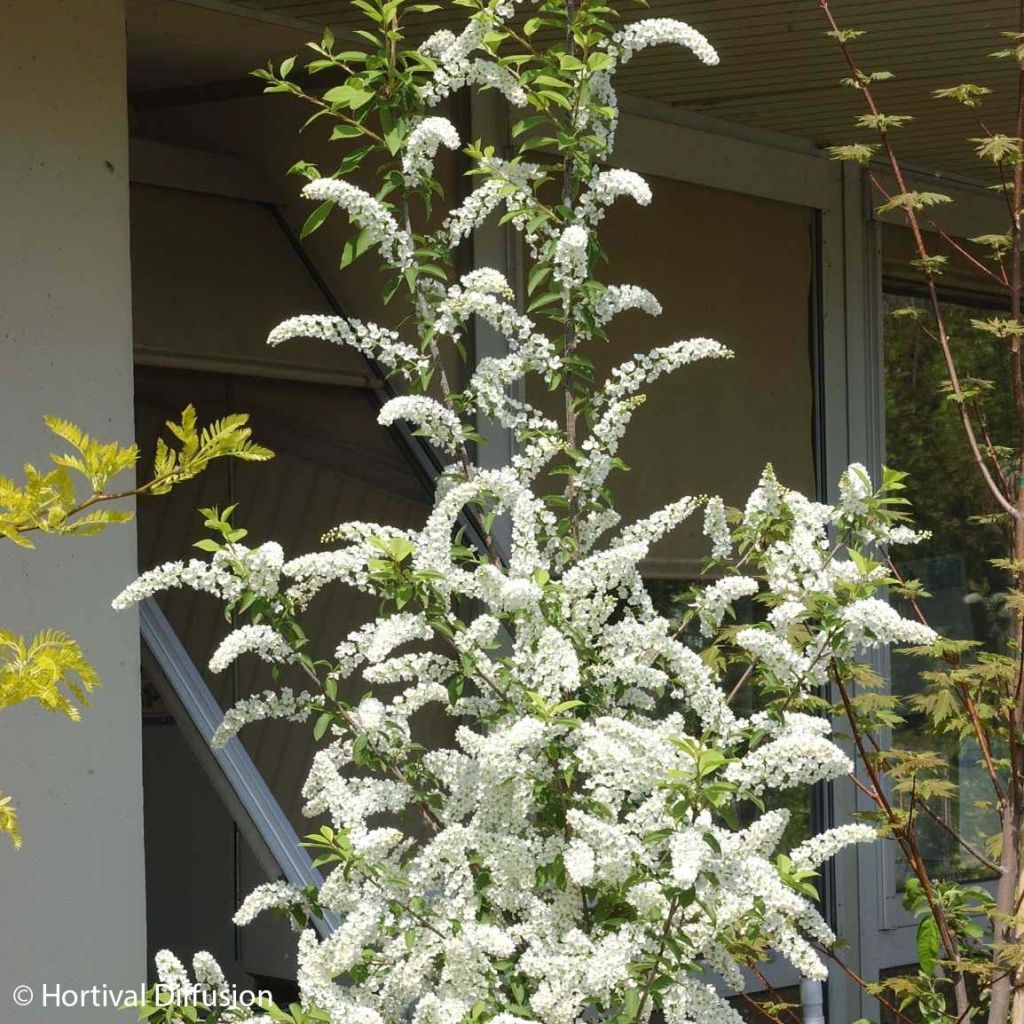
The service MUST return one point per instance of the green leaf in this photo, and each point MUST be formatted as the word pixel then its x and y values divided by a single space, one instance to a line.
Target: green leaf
pixel 316 218
pixel 928 944
pixel 348 96
pixel 914 201
pixel 860 153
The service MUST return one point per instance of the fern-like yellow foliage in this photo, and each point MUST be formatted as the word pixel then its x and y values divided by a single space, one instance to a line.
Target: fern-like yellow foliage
pixel 52 669
pixel 9 821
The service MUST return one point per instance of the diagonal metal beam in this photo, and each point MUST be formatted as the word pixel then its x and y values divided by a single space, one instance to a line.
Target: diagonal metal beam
pixel 233 773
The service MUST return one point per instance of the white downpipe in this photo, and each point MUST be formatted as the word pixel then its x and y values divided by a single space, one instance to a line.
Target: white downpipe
pixel 812 1001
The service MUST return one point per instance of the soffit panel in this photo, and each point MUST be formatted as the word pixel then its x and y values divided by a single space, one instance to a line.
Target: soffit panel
pixel 778 72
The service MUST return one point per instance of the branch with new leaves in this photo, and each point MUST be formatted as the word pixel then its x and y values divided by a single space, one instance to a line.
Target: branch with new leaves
pixel 969 944
pixel 51 669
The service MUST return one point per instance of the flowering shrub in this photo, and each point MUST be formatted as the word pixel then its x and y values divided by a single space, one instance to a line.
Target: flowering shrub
pixel 592 842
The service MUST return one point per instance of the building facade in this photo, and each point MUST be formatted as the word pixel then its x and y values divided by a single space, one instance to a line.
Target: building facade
pixel 149 242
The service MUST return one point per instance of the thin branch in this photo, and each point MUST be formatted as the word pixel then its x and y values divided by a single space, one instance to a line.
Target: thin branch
pixel 859 981
pixel 957 837
pixel 933 294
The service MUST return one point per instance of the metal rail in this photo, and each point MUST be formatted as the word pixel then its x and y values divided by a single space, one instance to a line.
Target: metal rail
pixel 250 801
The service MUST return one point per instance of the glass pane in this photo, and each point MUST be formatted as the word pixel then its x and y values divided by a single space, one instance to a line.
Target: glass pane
pixel 924 438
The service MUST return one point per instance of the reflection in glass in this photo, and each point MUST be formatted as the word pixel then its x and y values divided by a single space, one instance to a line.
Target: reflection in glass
pixel 924 438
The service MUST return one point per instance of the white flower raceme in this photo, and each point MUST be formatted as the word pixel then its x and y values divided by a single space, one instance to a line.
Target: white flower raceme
pixel 797 757
pixel 171 973
pixel 776 654
pixel 263 641
pixel 854 490
pixel 457 68
pixel 368 213
pixel 422 145
pixel 373 341
pixel 716 528
pixel 198 575
pixel 507 183
pixel 617 299
pixel 209 975
pixel 648 32
pixel 377 640
pixel 579 862
pixel 570 259
pixel 719 597
pixel 874 619
pixel 234 568
pixel 606 187
pixel 282 704
pixel 269 896
pixel 618 400
pixel 431 419
pixel 813 852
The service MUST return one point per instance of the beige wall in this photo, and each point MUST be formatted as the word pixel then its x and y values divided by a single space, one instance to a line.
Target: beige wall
pixel 737 269
pixel 72 899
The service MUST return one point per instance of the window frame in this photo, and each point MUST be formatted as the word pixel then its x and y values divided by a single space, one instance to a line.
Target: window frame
pixel 885 932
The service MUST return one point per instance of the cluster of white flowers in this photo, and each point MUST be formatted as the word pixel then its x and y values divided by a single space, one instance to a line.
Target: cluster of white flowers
pixel 873 620
pixel 282 704
pixel 813 852
pixel 616 299
pixel 372 340
pixel 347 565
pixel 601 121
pixel 716 528
pixel 618 399
pixel 800 755
pixel 170 972
pixel 457 68
pixel 717 599
pixel 269 896
pixel 232 570
pixel 605 188
pixel 261 640
pixel 854 490
pixel 648 32
pixel 182 998
pixel 202 576
pixel 369 214
pixel 432 419
pixel 776 655
pixel 570 259
pixel 422 145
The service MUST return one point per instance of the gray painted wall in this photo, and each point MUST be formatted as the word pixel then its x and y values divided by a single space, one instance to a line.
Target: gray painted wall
pixel 73 899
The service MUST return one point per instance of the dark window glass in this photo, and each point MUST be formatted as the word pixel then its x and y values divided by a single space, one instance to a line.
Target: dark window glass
pixel 924 438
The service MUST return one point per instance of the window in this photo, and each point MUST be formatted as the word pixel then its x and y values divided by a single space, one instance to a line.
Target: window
pixel 924 438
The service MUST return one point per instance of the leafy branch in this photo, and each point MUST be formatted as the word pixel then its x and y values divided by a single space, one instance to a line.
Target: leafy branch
pixel 52 669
